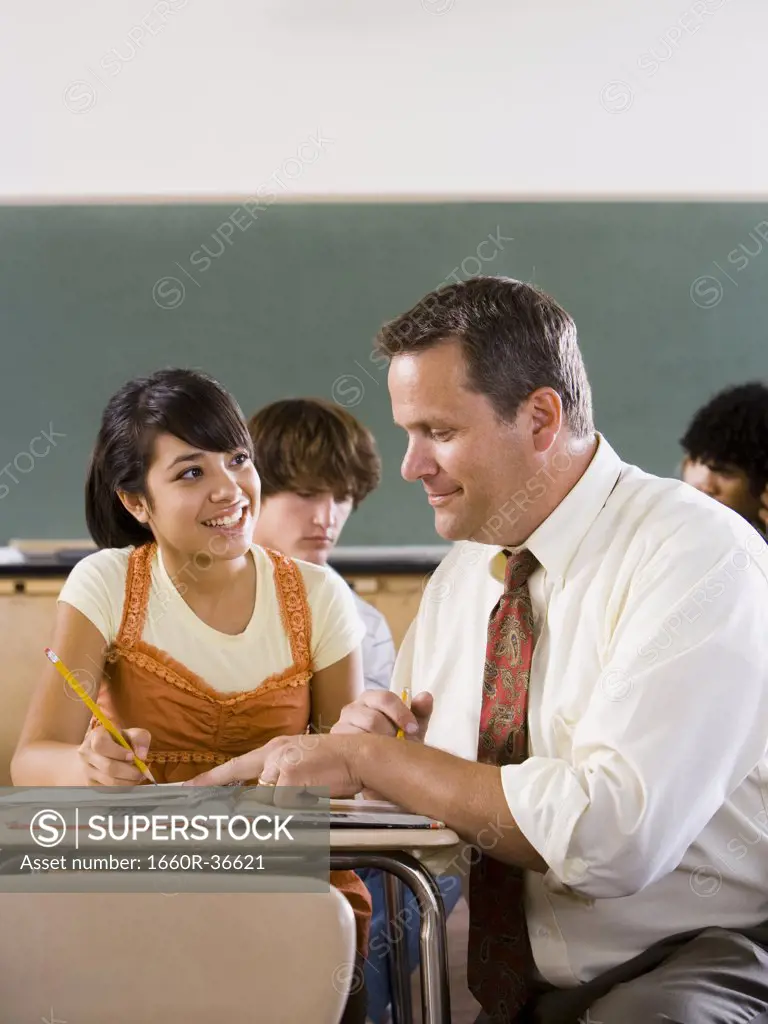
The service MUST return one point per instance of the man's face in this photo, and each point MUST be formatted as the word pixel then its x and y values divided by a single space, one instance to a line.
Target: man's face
pixel 469 461
pixel 303 524
pixel 726 484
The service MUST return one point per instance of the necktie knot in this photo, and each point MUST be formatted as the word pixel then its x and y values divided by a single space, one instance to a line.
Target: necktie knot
pixel 520 565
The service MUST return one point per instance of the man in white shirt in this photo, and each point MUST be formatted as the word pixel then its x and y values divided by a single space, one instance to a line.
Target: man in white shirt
pixel 613 622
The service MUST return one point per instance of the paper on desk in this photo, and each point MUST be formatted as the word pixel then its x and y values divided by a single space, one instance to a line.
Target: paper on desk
pixel 376 814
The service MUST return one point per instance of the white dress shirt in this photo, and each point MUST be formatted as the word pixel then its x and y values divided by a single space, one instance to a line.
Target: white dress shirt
pixel 645 788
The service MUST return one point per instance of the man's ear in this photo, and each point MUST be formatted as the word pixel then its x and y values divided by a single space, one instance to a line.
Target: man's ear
pixel 545 409
pixel 136 505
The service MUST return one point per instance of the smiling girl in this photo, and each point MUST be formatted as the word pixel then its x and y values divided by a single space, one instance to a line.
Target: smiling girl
pixel 200 644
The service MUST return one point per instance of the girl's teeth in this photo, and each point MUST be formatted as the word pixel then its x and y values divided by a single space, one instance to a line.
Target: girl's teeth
pixel 229 521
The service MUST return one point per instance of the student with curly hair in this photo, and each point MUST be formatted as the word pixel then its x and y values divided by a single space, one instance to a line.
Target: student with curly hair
pixel 726 450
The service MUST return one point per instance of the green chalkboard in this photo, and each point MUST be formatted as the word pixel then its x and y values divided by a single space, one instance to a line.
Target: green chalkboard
pixel 669 298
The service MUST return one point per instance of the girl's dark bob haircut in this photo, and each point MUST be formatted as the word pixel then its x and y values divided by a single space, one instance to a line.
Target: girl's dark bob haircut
pixel 186 403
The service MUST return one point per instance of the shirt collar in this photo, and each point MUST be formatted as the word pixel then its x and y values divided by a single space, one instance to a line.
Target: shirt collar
pixel 556 541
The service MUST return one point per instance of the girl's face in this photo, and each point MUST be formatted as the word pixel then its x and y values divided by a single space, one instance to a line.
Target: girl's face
pixel 201 502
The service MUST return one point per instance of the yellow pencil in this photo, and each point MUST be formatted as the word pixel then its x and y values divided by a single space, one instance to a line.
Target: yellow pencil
pixel 405 697
pixel 62 669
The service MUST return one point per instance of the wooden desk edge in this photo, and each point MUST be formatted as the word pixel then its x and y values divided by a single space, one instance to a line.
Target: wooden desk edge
pixel 389 839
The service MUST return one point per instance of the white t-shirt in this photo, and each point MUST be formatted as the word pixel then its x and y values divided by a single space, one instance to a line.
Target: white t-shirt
pixel 96 587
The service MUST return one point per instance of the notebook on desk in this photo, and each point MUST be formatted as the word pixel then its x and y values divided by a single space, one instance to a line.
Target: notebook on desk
pixel 376 814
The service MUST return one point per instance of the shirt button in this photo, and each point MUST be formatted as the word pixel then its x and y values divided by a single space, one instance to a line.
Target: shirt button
pixel 542 933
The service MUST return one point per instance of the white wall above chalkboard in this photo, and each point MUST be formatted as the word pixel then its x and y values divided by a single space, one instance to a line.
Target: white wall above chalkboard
pixel 458 98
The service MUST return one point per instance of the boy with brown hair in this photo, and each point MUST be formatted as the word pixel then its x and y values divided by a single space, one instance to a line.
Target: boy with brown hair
pixel 317 464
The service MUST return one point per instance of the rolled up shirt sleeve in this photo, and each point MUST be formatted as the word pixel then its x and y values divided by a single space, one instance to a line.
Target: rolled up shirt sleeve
pixel 675 722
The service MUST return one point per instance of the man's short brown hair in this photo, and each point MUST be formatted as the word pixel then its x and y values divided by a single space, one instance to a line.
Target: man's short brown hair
pixel 308 444
pixel 515 339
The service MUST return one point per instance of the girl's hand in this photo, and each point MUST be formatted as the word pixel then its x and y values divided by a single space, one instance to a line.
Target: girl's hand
pixel 106 763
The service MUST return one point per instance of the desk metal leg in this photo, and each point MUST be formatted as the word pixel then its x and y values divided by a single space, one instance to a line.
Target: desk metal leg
pixel 435 991
pixel 399 967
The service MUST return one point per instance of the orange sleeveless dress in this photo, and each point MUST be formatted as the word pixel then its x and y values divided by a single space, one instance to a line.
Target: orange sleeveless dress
pixel 193 726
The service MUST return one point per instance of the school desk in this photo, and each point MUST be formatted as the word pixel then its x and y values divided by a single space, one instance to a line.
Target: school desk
pixel 385 849
pixel 389 851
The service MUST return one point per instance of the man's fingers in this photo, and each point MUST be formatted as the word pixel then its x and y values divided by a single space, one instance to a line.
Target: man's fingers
pixel 422 705
pixel 245 768
pixel 361 718
pixel 384 713
pixel 271 774
pixel 343 728
pixel 389 704
pixel 222 775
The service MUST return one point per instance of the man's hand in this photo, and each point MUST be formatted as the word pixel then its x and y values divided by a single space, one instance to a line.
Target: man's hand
pixel 467 796
pixel 301 761
pixel 382 712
